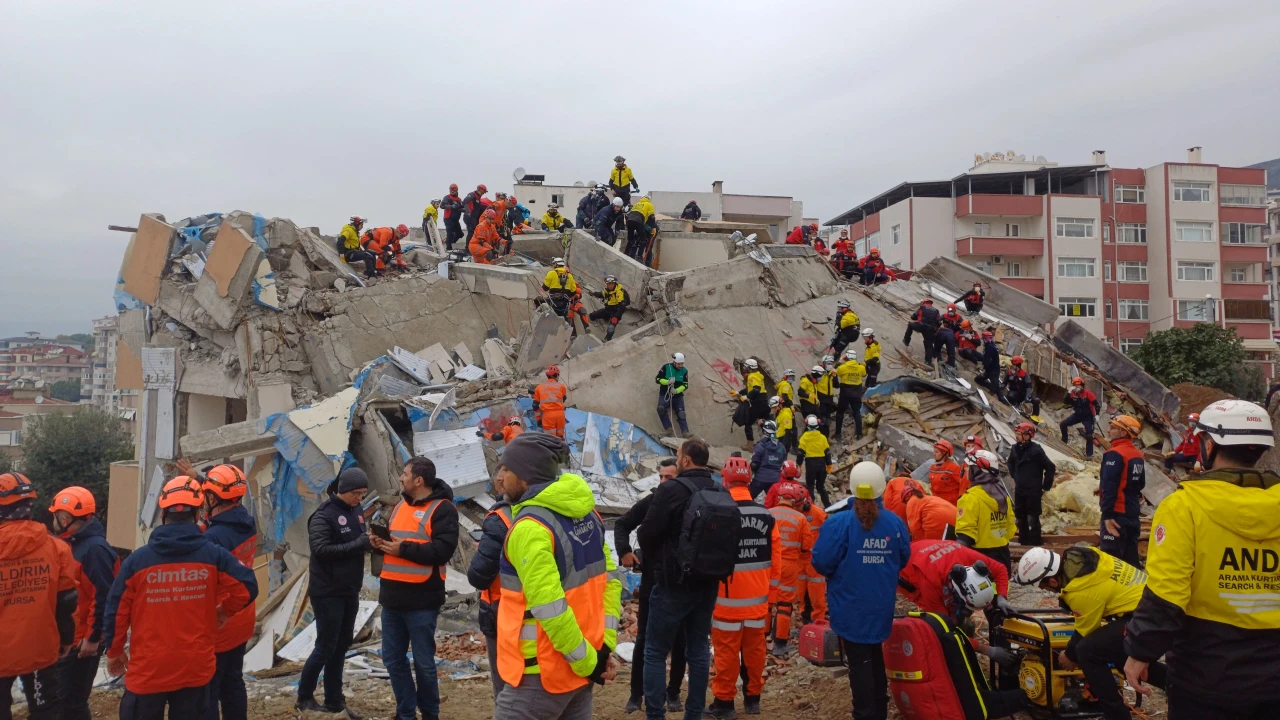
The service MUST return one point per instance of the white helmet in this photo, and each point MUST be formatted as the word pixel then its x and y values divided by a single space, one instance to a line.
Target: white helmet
pixel 788 373
pixel 600 187
pixel 851 354
pixel 973 585
pixel 1037 564
pixel 817 369
pixel 617 202
pixel 811 421
pixel 775 401
pixel 553 206
pixel 677 358
pixel 866 480
pixel 828 359
pixel 751 363
pixel 557 262
pixel 842 305
pixel 610 279
pixel 868 332
pixel 991 460
pixel 1236 422
pixel 770 427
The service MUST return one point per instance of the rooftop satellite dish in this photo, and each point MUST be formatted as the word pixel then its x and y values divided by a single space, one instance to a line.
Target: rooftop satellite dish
pixel 1040 158
pixel 592 183
pixel 579 183
pixel 39 399
pixel 518 174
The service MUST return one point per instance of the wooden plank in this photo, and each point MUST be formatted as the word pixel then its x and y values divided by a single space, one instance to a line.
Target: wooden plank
pixel 943 408
pixel 956 422
pixel 924 425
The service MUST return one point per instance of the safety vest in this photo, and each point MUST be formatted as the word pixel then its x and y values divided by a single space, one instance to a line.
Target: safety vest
pixel 644 207
pixel 851 373
pixel 745 596
pixel 981 517
pixel 430 214
pixel 493 593
pixel 1112 588
pixel 350 238
pixel 411 523
pixel 553 222
pixel 615 297
pixel 755 381
pixel 824 385
pixel 791 526
pixel 583 577
pixel 784 392
pixel 783 418
pixel 553 282
pixel 848 318
pixel 873 352
pixel 808 390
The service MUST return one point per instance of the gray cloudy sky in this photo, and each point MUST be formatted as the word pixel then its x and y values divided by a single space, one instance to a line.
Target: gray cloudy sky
pixel 317 111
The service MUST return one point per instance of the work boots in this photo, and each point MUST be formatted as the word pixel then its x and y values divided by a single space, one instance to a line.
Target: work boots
pixel 752 704
pixel 722 710
pixel 342 709
pixel 309 704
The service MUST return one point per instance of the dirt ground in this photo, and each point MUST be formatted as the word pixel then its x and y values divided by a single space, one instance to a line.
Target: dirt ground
pixel 1195 397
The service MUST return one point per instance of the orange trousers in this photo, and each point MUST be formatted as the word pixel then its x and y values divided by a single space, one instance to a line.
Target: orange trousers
pixel 788 594
pixel 552 422
pixel 815 586
pixel 738 641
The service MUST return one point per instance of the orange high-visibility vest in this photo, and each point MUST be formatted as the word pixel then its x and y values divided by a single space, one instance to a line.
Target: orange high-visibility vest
pixel 793 530
pixel 493 593
pixel 550 396
pixel 745 596
pixel 411 523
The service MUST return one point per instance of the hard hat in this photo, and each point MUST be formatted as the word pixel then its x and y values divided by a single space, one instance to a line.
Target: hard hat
pixel 813 226
pixel 875 252
pixel 791 492
pixel 677 358
pixel 226 482
pixel 811 421
pixel 357 220
pixel 828 359
pixel 453 187
pixel 966 325
pixel 927 301
pixel 974 439
pixel 1128 424
pixel 1077 381
pixel 435 201
pixel 610 279
pixel 945 446
pixel 619 159
pixel 736 471
pixel 866 481
pixel 973 585
pixel 75 500
pixel 911 488
pixel 1016 360
pixel 512 199
pixel 1037 563
pixel 617 202
pixel 15 487
pixel 788 373
pixel 951 307
pixel 816 369
pixel 182 491
pixel 790 469
pixel 1026 427
pixel 844 233
pixel 770 427
pixel 842 305
pixel 851 354
pixel 986 460
pixel 402 230
pixel 978 285
pixel 553 206
pixel 489 215
pixel 751 363
pixel 1236 422
pixel 553 371
pixel 988 335
pixel 775 401
pixel 482 188
pixel 868 333
pixel 1193 417
pixel 515 420
pixel 557 262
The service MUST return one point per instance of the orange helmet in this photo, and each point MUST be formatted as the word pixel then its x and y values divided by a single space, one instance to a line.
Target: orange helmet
pixel 1193 418
pixel 875 252
pixel 75 500
pixel 489 215
pixel 966 325
pixel 553 371
pixel 1017 360
pixel 790 470
pixel 945 446
pixel 736 472
pixel 1077 381
pixel 181 492
pixel 226 482
pixel 15 487
pixel 1128 424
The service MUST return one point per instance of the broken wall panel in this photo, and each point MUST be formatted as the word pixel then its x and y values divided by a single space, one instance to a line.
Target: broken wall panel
pixel 146 259
pixel 1115 366
pixel 1001 297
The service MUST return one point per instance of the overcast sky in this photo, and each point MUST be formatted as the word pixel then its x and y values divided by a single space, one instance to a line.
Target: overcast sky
pixel 317 111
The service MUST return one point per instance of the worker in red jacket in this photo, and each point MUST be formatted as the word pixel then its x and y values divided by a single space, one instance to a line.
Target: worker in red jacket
pixel 231 527
pixel 1188 451
pixel 873 268
pixel 169 599
pixel 796 236
pixel 926 581
pixel 1084 409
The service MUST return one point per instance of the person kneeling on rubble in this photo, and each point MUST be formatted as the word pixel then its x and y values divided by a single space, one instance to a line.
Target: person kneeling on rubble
pixel 384 243
pixel 484 242
pixel 1017 389
pixel 615 300
pixel 558 619
pixel 609 221
pixel 1188 451
pixel 973 299
pixel 873 269
pixel 349 246
pixel 564 295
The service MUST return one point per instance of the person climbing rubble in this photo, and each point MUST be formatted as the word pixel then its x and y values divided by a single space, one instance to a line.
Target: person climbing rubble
pixel 795 538
pixel 871 356
pixel 925 321
pixel 232 527
pixel 673 381
pixel 430 217
pixel 1017 389
pixel 767 458
pixel 473 206
pixel 565 296
pixel 622 181
pixel 691 211
pixel 642 227
pixel 483 240
pixel 1032 472
pixel 485 572
pixel 1084 410
pixel 753 400
pixel 967 343
pixel 384 244
pixel 990 377
pixel 610 220
pixel 1188 451
pixel 945 337
pixel 348 246
pixel 984 513
pixel 784 389
pixel 847 328
pixel 784 423
pixel 1120 483
pixel 549 399
pixel 946 478
pixel 974 299
pixel 826 388
pixel 873 269
pixel 453 213
pixel 816 452
pixel 850 375
pixel 552 220
pixel 589 205
pixel 929 517
pixel 812 586
pixel 615 300
pixel 509 430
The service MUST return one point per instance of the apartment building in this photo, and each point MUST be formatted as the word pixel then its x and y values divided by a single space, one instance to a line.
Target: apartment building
pixel 1120 251
pixel 1271 235
pixel 48 362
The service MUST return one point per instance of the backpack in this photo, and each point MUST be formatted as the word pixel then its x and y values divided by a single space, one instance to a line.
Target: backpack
pixel 707 547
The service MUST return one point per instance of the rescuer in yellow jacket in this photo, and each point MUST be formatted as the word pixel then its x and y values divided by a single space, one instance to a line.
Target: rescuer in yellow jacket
pixel 984 517
pixel 621 180
pixel 558 619
pixel 825 385
pixel 754 395
pixel 430 217
pixel 553 220
pixel 809 391
pixel 1212 600
pixel 850 375
pixel 784 389
pixel 871 356
pixel 642 226
pixel 784 417
pixel 847 327
pixel 816 451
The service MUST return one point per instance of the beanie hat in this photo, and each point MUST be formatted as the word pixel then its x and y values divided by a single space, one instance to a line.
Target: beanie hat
pixel 353 478
pixel 535 458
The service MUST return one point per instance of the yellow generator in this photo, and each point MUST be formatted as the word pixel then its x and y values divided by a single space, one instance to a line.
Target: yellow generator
pixel 1037 636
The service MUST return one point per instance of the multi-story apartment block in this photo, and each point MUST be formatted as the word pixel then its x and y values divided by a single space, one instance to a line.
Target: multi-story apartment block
pixel 102 385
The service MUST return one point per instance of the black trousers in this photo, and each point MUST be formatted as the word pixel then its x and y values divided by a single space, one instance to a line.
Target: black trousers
pixel 1123 544
pixel 452 232
pixel 43 689
pixel 873 371
pixel 637 664
pixel 1026 506
pixel 1016 400
pixel 815 478
pixel 622 192
pixel 335 624
pixel 971 355
pixel 850 400
pixel 369 259
pixel 826 406
pixel 999 554
pixel 1187 704
pixel 185 703
pixel 867 680
pixel 226 690
pixel 78 675
pixel 637 240
pixel 1095 653
pixel 1080 418
pixel 929 334
pixel 945 338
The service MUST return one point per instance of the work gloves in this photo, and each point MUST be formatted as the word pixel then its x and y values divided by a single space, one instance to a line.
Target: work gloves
pixel 1003 606
pixel 1005 658
pixel 680 389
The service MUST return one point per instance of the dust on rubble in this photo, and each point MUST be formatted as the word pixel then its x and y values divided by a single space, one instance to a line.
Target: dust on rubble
pixel 1195 397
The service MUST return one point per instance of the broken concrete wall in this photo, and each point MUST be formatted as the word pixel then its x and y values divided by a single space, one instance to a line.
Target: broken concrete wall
pixel 1002 298
pixel 743 282
pixel 1115 365
pixel 684 250
pixel 223 289
pixel 507 282
pixel 146 258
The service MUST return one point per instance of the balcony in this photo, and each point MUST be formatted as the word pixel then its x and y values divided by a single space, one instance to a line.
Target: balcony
pixel 1244 291
pixel 1251 329
pixel 1029 285
pixel 1244 253
pixel 1003 205
pixel 1019 246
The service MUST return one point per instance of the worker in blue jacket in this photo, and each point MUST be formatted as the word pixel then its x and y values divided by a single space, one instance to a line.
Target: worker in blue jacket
pixel 860 551
pixel 609 221
pixel 766 460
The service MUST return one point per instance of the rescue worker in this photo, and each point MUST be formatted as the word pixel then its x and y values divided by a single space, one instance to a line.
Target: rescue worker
pixel 558 619
pixel 168 601
pixel 549 399
pixel 232 528
pixel 847 328
pixel 873 268
pixel 861 551
pixel 929 517
pixel 1017 389
pixel 945 337
pixel 349 246
pixel 485 572
pixel 588 206
pixel 990 376
pixel 784 423
pixel 795 539
pixel 1188 451
pixel 473 206
pixel 510 429
pixel 925 321
pixel 691 211
pixel 753 394
pixel 610 221
pixel 820 246
pixel 1210 601
pixel 850 374
pixel 767 458
pixel 893 494
pixel 790 476
pixel 812 587
pixel 967 343
pixel 1032 472
pixel 384 243
pixel 483 240
pixel 1084 409
pixel 563 291
pixel 841 245
pixel 642 226
pixel 411 589
pixel 673 381
pixel 552 220
pixel 1101 591
pixel 500 206
pixel 622 181
pixel 946 478
pixel 430 217
pixel 740 620
pixel 453 211
pixel 517 217
pixel 825 385
pixel 809 400
pixel 816 451
pixel 1120 484
pixel 38 601
pixel 973 299
pixel 784 389
pixel 926 580
pixel 871 356
pixel 73 520
pixel 797 236
pixel 983 513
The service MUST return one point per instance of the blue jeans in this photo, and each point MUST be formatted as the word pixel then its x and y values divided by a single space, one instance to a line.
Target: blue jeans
pixel 667 401
pixel 671 608
pixel 400 629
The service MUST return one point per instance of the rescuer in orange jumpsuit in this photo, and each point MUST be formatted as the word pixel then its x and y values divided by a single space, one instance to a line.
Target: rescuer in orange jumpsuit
pixel 548 400
pixel 893 495
pixel 513 428
pixel 928 516
pixel 796 539
pixel 384 243
pixel 946 477
pixel 813 586
pixel 484 243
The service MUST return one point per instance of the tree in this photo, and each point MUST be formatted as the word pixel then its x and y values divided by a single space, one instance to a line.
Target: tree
pixel 1203 354
pixel 68 390
pixel 7 464
pixel 59 450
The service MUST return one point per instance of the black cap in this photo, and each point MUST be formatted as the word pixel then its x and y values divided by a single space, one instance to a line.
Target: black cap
pixel 353 478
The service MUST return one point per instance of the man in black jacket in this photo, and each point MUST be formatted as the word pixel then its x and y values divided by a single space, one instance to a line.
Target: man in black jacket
pixel 691 211
pixel 484 571
pixel 338 543
pixel 925 321
pixel 1032 473
pixel 628 558
pixel 676 602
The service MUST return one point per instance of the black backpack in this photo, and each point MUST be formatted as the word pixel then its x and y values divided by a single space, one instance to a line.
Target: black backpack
pixel 707 547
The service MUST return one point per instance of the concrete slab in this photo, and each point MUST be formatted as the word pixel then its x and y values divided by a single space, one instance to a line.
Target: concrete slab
pixel 591 260
pixel 225 309
pixel 548 341
pixel 1002 298
pixel 497 280
pixel 225 258
pixel 684 250
pixel 496 362
pixel 236 440
pixel 904 445
pixel 1116 366
pixel 584 343
pixel 146 258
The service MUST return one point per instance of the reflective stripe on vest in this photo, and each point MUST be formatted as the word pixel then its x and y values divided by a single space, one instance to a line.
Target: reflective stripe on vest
pixel 408 526
pixel 493 593
pixel 742 602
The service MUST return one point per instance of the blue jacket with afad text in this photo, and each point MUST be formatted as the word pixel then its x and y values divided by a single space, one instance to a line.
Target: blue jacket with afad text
pixel 861 567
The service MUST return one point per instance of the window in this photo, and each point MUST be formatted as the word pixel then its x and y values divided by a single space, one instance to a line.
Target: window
pixel 897 234
pixel 1134 310
pixel 1133 272
pixel 1077 267
pixel 1195 271
pixel 1237 274
pixel 558 199
pixel 1131 193
pixel 1234 233
pixel 1131 233
pixel 1106 233
pixel 982 229
pixel 1075 227
pixel 984 266
pixel 1013 269
pixel 1199 310
pixel 1078 307
pixel 1250 195
pixel 1193 231
pixel 1108 308
pixel 1128 345
pixel 873 240
pixel 1012 230
pixel 1106 270
pixel 1192 191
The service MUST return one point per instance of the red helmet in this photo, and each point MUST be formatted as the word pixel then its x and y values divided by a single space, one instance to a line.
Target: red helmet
pixel 1077 381
pixel 945 446
pixel 15 487
pixel 927 301
pixel 911 489
pixel 181 492
pixel 974 439
pixel 511 199
pixel 553 371
pixel 489 215
pixel 482 189
pixel 988 335
pixel 453 187
pixel 357 220
pixel 226 482
pixel 75 500
pixel 736 472
pixel 1026 427
pixel 951 307
pixel 875 252
pixel 1017 360
pixel 402 230
pixel 790 470
pixel 791 492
